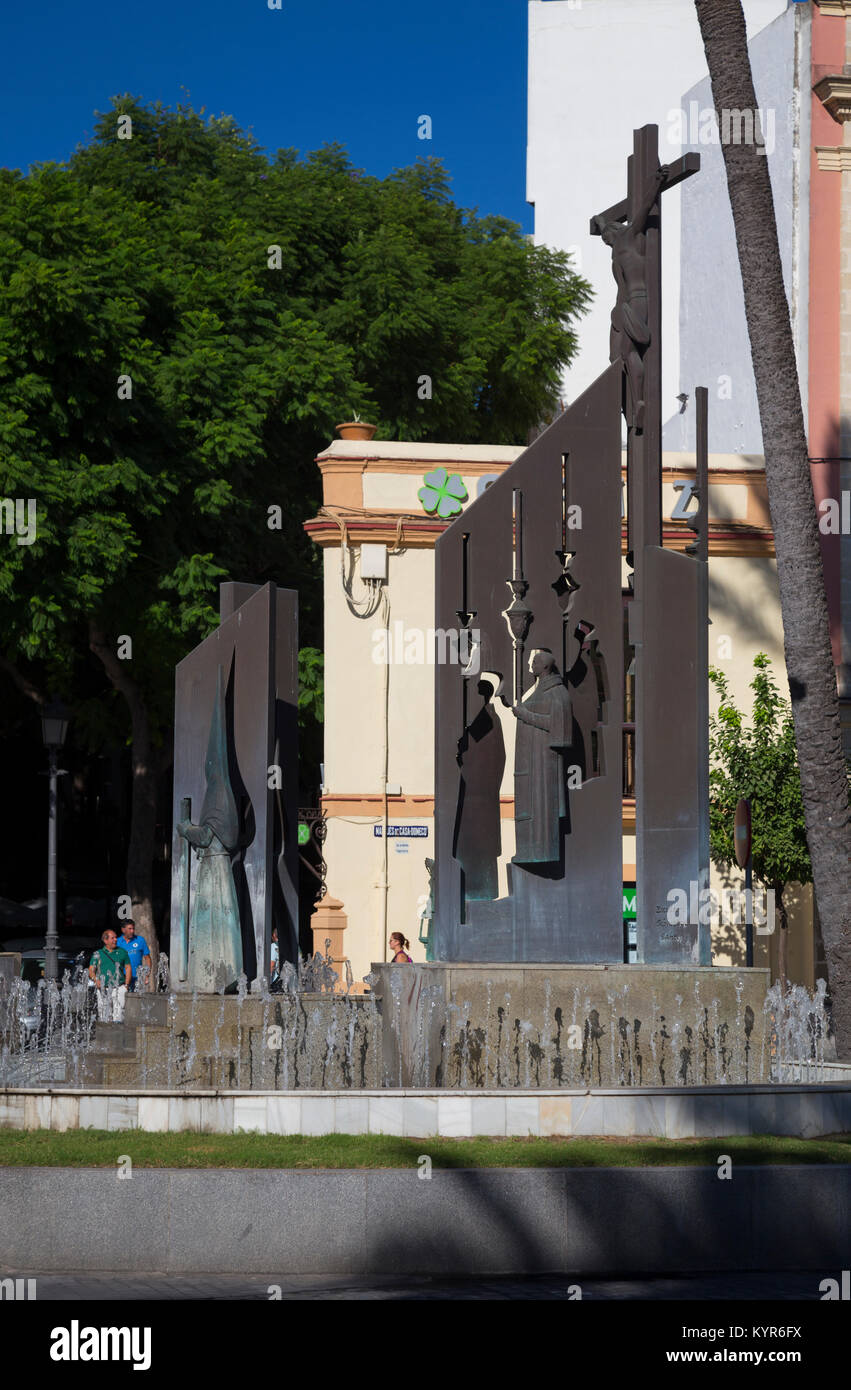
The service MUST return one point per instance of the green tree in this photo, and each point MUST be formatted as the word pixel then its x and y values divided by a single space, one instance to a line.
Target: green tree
pixel 759 761
pixel 182 323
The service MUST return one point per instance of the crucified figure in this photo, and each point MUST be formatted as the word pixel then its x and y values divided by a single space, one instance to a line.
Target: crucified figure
pixel 630 334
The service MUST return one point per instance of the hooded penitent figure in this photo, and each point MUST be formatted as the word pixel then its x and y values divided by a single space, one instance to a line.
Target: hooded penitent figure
pixel 544 731
pixel 215 940
pixel 481 757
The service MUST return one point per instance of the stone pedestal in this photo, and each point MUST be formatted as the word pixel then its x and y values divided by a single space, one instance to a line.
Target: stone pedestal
pixel 328 926
pixel 527 1026
pixel 220 1042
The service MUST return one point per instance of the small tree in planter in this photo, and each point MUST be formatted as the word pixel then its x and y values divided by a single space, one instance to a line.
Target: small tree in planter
pixel 759 761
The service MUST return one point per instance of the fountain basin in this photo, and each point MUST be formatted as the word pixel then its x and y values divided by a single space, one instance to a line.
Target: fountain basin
pixel 803 1111
pixel 433 1027
pixel 573 1025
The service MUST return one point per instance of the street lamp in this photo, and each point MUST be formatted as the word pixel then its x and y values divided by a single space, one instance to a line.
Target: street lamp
pixel 54 726
pixel 743 850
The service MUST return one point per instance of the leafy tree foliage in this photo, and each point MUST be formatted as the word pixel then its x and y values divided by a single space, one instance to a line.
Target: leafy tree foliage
pixel 152 258
pixel 759 761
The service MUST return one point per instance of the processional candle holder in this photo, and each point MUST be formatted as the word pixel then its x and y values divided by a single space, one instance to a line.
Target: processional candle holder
pixel 466 616
pixel 566 585
pixel 469 648
pixel 518 616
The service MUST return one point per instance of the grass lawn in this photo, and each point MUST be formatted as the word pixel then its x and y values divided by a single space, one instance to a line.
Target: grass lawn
pixel 94 1148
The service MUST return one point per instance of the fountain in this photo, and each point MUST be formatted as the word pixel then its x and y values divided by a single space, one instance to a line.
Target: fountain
pixel 525 990
pixel 315 1036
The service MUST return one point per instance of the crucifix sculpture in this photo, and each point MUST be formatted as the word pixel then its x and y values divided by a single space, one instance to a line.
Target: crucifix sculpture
pixel 630 336
pixel 632 228
pixel 668 589
pixel 560 897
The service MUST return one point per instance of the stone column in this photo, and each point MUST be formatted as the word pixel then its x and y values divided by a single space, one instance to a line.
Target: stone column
pixel 328 925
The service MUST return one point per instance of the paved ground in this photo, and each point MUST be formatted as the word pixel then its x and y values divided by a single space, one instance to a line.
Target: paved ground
pixel 146 1287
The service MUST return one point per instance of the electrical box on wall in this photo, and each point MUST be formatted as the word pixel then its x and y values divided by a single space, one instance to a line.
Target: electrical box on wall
pixel 373 562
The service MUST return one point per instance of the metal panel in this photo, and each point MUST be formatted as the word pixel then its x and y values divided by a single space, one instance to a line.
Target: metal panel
pixel 570 909
pixel 256 646
pixel 667 790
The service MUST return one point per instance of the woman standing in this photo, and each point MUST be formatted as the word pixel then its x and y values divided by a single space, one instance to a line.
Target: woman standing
pixel 399 947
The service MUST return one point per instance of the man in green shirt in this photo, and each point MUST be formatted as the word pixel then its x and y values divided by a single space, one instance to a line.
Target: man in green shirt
pixel 111 972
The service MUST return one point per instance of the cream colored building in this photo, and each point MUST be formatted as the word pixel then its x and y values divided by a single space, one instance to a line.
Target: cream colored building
pixel 378 795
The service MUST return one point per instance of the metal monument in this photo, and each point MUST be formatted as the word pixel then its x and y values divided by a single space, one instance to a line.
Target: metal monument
pixel 235 793
pixel 668 612
pixel 210 930
pixel 532 572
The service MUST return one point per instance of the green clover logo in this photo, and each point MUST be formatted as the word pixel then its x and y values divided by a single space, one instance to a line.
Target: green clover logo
pixel 442 495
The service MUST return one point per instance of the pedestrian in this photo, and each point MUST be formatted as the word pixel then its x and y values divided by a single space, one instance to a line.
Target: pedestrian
pixel 110 970
pixel 399 946
pixel 275 964
pixel 137 949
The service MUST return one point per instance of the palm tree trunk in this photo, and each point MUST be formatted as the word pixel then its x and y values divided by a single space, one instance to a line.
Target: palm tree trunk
pixel 803 602
pixel 143 812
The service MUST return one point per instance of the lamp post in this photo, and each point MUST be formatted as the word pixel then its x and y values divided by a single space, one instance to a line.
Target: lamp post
pixel 54 726
pixel 742 847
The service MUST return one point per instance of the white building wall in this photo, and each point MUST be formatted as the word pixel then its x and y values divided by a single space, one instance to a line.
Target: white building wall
pixel 714 343
pixel 597 70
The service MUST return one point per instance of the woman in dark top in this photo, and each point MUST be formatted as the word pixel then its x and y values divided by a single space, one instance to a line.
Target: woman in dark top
pixel 399 947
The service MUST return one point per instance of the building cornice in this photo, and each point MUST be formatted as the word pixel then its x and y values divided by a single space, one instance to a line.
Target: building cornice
pixel 393 529
pixel 834 93
pixel 469 457
pixel 726 538
pixel 359 456
pixel 841 9
pixel 834 159
pixel 334 463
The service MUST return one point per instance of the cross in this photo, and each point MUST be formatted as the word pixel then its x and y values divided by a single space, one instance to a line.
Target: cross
pixel 632 228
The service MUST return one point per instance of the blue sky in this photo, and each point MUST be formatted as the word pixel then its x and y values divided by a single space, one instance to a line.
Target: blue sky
pixel 357 71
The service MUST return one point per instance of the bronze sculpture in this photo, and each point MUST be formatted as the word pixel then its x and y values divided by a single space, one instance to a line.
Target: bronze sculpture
pixel 481 758
pixel 256 646
pixel 562 897
pixel 215 942
pixel 630 336
pixel 544 732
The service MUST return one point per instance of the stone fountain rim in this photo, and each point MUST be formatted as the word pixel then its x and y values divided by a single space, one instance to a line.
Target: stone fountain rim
pixel 449 1093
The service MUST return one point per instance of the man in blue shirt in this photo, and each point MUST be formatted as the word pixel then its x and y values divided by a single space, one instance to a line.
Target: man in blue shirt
pixel 137 949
